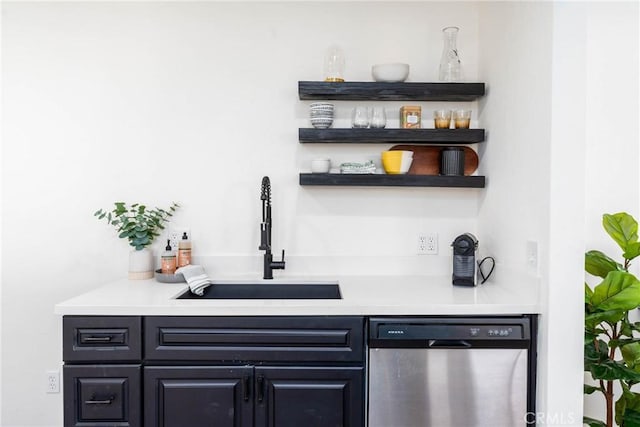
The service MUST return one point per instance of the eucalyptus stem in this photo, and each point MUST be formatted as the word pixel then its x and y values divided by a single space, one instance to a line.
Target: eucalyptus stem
pixel 137 223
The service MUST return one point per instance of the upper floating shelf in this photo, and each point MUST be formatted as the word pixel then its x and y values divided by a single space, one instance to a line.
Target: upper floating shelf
pixel 379 91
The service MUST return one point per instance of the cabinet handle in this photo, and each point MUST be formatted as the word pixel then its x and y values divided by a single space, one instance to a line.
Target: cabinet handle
pixel 95 401
pixel 246 388
pixel 98 339
pixel 260 385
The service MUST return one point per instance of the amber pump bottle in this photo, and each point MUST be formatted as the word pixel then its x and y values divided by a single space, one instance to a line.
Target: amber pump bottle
pixel 168 260
pixel 184 251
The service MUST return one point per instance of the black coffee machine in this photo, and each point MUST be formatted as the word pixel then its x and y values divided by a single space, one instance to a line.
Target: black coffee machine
pixel 465 267
pixel 465 247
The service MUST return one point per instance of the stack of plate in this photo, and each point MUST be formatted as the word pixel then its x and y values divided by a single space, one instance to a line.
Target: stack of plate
pixel 321 115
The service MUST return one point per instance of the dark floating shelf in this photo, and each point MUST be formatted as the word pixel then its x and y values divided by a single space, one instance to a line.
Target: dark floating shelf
pixel 380 180
pixel 414 136
pixel 379 91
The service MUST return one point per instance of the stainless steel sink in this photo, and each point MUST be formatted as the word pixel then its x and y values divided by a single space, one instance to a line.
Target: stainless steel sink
pixel 268 290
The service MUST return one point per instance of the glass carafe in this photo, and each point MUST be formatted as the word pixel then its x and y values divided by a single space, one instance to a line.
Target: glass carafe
pixel 334 64
pixel 450 67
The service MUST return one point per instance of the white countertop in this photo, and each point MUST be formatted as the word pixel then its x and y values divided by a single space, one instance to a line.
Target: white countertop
pixel 361 295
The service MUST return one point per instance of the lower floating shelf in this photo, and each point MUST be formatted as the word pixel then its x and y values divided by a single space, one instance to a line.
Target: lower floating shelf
pixel 382 180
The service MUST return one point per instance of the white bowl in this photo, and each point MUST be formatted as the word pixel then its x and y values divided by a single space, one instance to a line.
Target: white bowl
pixel 320 165
pixel 390 73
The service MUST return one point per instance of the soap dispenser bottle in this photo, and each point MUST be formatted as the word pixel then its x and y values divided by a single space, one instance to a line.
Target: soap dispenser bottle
pixel 184 251
pixel 168 260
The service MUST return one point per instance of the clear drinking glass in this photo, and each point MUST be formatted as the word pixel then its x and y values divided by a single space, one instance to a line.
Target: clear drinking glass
pixel 450 66
pixel 442 119
pixel 360 117
pixel 461 119
pixel 378 118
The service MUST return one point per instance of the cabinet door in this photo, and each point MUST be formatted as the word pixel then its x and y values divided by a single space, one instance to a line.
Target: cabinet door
pixel 309 396
pixel 102 395
pixel 197 396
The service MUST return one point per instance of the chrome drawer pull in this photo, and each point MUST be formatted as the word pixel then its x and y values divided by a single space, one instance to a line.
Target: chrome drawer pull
pixel 94 401
pixel 98 339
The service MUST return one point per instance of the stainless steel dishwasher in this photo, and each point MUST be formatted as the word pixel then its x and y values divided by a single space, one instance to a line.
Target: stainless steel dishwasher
pixel 451 371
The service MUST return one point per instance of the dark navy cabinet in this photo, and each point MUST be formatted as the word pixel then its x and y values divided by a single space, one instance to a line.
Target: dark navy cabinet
pixel 309 396
pixel 198 396
pixel 175 371
pixel 102 371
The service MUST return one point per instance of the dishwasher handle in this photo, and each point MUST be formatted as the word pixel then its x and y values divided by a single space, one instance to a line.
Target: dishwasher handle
pixel 449 344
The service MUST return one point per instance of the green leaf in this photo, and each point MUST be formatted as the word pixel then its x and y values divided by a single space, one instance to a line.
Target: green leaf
pixel 631 354
pixel 592 422
pixel 623 342
pixel 594 353
pixel 610 316
pixel 587 293
pixel 622 228
pixel 632 251
pixel 611 370
pixel 598 264
pixel 620 407
pixel 618 291
pixel 631 418
pixel 123 235
pixel 589 389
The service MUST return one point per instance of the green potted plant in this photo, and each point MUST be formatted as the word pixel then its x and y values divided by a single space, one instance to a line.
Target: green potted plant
pixel 140 225
pixel 611 344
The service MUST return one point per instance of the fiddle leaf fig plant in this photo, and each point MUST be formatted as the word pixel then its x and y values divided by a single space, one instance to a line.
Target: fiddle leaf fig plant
pixel 611 341
pixel 137 223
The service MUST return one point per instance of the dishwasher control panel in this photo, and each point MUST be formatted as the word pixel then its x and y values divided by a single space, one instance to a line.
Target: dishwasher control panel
pixel 438 332
pixel 449 331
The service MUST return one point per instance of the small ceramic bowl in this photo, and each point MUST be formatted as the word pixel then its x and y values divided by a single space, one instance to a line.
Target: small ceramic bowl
pixel 320 165
pixel 396 162
pixel 315 105
pixel 321 122
pixel 390 73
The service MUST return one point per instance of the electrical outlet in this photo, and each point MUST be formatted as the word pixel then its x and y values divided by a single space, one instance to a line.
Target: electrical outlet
pixel 427 244
pixel 532 257
pixel 175 235
pixel 53 381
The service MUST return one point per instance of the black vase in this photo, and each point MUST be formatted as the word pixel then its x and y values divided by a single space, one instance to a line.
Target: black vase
pixel 452 161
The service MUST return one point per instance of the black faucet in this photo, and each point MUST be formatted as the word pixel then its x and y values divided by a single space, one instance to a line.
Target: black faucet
pixel 265 232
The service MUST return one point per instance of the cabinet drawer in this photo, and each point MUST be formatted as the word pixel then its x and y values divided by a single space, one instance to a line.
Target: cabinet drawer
pixel 102 395
pixel 96 338
pixel 260 339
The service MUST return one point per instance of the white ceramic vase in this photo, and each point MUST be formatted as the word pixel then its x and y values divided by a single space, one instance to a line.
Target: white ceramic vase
pixel 140 264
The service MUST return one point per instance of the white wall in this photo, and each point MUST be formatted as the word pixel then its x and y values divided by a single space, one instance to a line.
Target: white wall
pixel 562 149
pixel 563 296
pixel 516 46
pixel 612 130
pixel 192 102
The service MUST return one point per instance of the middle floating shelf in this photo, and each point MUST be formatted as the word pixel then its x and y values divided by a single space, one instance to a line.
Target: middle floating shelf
pixel 414 136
